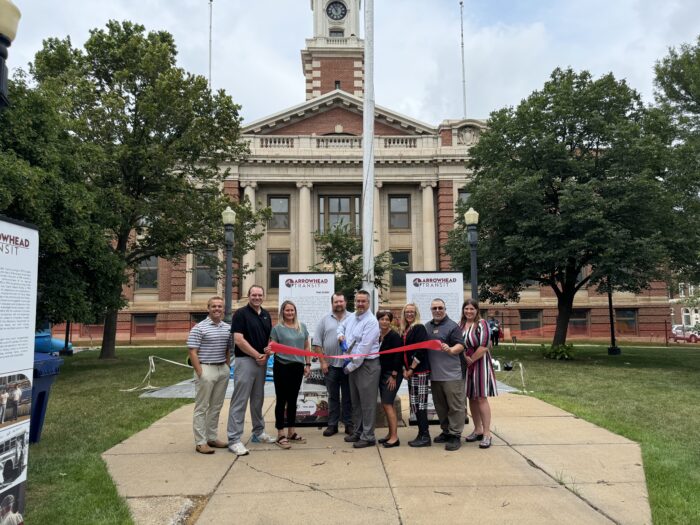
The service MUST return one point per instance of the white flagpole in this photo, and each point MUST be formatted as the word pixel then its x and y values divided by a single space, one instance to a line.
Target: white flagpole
pixel 368 158
pixel 211 8
pixel 464 76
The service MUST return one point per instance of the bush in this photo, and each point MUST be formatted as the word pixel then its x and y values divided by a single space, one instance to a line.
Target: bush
pixel 560 352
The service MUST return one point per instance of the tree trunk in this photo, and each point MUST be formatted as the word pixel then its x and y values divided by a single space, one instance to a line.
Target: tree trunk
pixel 109 335
pixel 565 304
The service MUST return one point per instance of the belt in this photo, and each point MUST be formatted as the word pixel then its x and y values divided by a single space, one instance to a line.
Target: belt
pixel 214 364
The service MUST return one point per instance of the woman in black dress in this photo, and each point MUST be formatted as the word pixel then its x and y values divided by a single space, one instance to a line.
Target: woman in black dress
pixel 391 375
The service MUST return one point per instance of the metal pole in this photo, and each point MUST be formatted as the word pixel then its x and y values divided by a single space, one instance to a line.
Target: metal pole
pixel 211 8
pixel 464 74
pixel 473 238
pixel 368 157
pixel 228 289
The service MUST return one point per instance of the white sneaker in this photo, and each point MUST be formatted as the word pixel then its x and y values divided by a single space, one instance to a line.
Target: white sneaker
pixel 263 438
pixel 238 449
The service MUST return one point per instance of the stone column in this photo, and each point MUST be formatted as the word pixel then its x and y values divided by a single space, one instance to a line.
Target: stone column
pixel 377 223
pixel 249 258
pixel 429 259
pixel 304 229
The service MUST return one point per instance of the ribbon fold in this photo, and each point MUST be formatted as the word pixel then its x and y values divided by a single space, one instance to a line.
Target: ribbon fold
pixel 278 348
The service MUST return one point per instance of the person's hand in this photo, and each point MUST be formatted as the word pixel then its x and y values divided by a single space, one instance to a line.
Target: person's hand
pixel 391 383
pixel 324 368
pixel 469 360
pixel 445 348
pixel 307 371
pixel 267 349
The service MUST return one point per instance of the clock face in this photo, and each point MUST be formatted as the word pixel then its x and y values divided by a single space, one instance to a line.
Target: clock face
pixel 336 10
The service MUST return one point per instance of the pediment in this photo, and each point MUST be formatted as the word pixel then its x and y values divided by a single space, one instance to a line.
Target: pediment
pixel 336 112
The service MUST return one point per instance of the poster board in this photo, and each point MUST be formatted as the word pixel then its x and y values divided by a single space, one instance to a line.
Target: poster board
pixel 423 287
pixel 19 260
pixel 311 293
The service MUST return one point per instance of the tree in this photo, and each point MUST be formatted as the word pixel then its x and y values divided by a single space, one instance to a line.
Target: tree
pixel 156 137
pixel 678 95
pixel 341 252
pixel 572 190
pixel 41 169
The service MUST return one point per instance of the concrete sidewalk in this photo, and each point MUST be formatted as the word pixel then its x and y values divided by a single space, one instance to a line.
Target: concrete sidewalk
pixel 546 466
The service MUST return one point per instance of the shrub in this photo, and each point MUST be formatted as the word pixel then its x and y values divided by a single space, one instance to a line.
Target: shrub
pixel 561 352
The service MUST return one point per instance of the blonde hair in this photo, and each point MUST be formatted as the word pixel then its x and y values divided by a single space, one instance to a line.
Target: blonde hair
pixel 402 322
pixel 280 320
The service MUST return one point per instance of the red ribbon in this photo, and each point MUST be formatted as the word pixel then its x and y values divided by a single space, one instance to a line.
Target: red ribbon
pixel 431 344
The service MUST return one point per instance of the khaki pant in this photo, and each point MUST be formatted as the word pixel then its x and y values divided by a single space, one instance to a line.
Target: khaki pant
pixel 209 393
pixel 448 398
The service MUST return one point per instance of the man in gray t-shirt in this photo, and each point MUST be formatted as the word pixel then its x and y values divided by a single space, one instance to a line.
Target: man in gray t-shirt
pixel 446 381
pixel 325 341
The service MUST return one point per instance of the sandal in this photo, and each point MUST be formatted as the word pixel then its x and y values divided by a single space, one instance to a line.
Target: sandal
pixel 471 438
pixel 486 442
pixel 296 438
pixel 283 442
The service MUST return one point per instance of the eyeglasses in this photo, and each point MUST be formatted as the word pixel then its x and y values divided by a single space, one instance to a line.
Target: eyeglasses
pixel 438 308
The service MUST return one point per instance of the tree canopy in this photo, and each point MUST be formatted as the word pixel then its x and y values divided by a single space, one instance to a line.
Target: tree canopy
pixel 573 191
pixel 155 137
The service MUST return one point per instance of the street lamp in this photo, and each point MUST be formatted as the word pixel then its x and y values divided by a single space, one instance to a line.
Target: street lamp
pixel 9 19
pixel 471 219
pixel 229 218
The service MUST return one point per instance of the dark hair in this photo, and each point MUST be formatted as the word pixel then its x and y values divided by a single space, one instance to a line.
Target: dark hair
pixel 475 304
pixel 362 292
pixel 337 294
pixel 256 286
pixel 385 313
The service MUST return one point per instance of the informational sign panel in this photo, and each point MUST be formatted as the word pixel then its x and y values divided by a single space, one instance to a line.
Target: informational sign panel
pixel 19 258
pixel 311 293
pixel 423 287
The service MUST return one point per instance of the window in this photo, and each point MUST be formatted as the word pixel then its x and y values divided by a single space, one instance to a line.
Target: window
pixel 399 212
pixel 626 321
pixel 197 317
pixel 681 290
pixel 578 322
pixel 686 317
pixel 531 320
pixel 398 277
pixel 336 210
pixel 463 196
pixel 204 273
pixel 144 324
pixel 147 274
pixel 279 204
pixel 278 262
pixel 336 33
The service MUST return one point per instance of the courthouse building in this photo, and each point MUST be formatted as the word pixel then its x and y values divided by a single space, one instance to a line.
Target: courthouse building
pixel 305 163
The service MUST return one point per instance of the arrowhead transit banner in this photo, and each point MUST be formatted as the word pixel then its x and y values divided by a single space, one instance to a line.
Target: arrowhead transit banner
pixel 19 259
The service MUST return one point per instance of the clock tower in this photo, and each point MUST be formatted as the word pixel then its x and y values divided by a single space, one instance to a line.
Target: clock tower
pixel 334 57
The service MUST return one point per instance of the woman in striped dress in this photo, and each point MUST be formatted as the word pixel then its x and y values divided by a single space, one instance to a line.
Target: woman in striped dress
pixel 481 381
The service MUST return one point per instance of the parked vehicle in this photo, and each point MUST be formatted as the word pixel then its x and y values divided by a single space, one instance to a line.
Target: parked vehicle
pixel 684 333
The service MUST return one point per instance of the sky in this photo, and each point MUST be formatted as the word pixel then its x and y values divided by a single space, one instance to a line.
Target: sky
pixel 510 46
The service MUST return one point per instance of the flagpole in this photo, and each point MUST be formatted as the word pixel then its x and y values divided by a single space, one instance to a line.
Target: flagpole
pixel 368 158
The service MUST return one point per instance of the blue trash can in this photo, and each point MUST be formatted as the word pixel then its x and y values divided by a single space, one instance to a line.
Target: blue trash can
pixel 46 369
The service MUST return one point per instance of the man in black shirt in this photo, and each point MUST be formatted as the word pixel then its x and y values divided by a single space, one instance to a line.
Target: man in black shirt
pixel 251 327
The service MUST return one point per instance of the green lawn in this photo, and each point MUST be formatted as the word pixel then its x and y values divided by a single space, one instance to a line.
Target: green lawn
pixel 649 395
pixel 87 414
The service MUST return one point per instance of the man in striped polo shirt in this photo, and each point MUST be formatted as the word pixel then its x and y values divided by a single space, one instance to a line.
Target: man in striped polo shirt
pixel 210 353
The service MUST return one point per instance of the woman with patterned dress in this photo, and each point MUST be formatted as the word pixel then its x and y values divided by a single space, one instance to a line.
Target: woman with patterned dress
pixel 416 371
pixel 481 381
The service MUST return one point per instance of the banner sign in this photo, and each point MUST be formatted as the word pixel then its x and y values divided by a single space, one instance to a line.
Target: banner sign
pixel 311 293
pixel 19 259
pixel 423 287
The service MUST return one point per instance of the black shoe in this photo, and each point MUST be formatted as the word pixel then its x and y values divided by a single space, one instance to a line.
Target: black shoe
pixel 396 443
pixel 422 440
pixel 442 438
pixel 471 438
pixel 349 430
pixel 330 430
pixel 453 443
pixel 352 438
pixel 361 443
pixel 382 440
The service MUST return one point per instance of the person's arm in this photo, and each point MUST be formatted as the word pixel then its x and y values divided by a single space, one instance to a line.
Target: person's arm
pixel 194 340
pixel 245 346
pixel 317 345
pixel 370 336
pixel 307 359
pixel 455 344
pixel 194 359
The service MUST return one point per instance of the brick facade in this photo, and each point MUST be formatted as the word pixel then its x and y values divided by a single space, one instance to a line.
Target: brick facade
pixel 325 122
